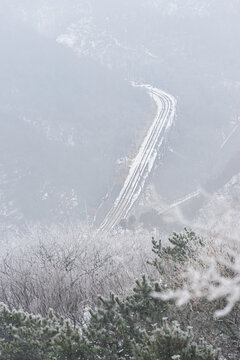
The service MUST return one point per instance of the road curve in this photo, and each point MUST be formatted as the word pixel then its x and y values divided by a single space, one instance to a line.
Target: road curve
pixel 143 163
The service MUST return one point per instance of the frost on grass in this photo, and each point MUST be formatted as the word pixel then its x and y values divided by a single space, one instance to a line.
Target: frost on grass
pixel 66 267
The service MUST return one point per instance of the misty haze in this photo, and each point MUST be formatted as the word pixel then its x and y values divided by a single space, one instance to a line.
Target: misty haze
pixel 120 123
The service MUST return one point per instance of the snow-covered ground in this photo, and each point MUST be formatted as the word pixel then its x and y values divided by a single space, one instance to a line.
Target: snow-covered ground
pixel 143 163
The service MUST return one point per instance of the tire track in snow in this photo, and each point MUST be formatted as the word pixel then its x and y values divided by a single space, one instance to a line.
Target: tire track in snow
pixel 143 163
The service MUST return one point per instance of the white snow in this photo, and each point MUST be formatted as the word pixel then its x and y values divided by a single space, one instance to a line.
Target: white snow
pixel 230 135
pixel 143 163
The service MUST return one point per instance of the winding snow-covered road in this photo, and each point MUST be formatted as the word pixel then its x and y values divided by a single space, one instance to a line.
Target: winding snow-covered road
pixel 143 163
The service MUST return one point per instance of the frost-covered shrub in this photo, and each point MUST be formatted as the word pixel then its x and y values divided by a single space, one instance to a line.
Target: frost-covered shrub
pixel 189 254
pixel 182 247
pixel 28 337
pixel 67 270
pixel 120 329
pixel 66 267
pixel 170 342
pixel 214 274
pixel 135 328
pixel 118 324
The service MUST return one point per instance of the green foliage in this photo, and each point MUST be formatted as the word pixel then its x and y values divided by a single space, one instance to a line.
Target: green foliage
pixel 135 328
pixel 132 328
pixel 27 337
pixel 181 248
pixel 118 324
pixel 120 329
pixel 170 342
pixel 24 336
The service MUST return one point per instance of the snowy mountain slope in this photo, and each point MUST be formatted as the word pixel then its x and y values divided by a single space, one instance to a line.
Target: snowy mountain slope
pixel 143 163
pixel 220 212
pixel 65 98
pixel 63 122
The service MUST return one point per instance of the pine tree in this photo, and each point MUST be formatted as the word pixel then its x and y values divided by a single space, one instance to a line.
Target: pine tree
pixel 24 336
pixel 27 337
pixel 170 342
pixel 133 328
pixel 118 324
pixel 182 247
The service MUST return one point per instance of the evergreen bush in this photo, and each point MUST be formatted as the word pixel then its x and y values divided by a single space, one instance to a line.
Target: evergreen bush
pixel 134 327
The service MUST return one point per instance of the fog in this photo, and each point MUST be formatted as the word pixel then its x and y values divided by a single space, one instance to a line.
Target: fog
pixel 72 122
